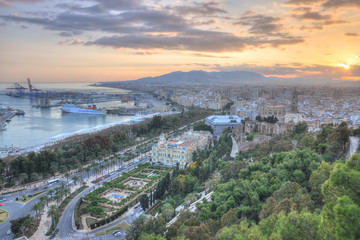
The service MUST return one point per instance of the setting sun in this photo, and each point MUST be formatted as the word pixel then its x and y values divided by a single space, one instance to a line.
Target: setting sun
pixel 346 66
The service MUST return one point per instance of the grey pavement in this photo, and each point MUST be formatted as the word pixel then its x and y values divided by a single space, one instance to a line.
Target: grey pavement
pixel 354 144
pixel 15 210
pixel 235 148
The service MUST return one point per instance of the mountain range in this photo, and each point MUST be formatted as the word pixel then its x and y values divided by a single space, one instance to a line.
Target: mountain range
pixel 233 78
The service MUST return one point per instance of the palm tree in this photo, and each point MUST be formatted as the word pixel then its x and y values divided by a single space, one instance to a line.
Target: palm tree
pixel 113 163
pixel 52 213
pixel 62 185
pixel 58 197
pixel 96 170
pixel 44 199
pixel 67 191
pixel 106 164
pixel 102 167
pixel 75 178
pixel 88 169
pixel 108 167
pixel 37 208
pixel 67 175
pixel 81 170
pixel 50 193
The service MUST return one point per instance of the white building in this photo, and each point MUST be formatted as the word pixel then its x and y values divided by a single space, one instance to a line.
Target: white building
pixel 173 151
pixel 221 122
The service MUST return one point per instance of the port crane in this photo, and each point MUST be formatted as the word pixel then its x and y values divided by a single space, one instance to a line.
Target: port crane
pixel 31 87
pixel 18 90
pixel 33 91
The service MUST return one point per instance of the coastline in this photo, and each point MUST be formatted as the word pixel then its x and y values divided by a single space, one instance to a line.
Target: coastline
pixel 64 138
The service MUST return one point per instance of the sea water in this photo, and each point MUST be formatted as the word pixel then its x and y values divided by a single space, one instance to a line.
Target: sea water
pixel 43 125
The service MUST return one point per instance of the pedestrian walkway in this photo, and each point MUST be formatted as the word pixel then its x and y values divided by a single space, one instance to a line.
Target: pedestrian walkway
pixel 192 207
pixel 234 149
pixel 44 225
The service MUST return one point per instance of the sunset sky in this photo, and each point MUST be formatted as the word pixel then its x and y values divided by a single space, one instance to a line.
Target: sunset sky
pixel 113 40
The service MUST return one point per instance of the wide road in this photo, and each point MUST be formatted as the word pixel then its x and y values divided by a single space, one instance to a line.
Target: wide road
pixel 66 224
pixel 15 210
pixel 135 213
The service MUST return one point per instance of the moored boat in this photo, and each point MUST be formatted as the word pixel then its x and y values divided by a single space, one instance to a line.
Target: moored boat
pixel 91 109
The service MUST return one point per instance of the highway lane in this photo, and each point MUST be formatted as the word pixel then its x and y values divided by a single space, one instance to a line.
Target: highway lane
pixel 129 219
pixel 66 224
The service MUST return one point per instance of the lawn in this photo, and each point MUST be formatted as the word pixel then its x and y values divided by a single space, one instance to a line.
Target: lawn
pixel 3 215
pixel 121 227
pixel 27 198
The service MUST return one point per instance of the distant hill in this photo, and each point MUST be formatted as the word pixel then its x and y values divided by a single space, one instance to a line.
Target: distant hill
pixel 234 78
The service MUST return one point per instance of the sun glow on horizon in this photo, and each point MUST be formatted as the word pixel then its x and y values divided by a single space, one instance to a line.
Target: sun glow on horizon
pixel 346 66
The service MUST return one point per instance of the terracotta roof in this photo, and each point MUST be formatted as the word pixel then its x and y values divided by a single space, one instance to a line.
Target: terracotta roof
pixel 187 143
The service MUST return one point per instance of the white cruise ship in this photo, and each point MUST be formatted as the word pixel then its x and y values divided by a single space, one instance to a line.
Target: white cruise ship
pixel 91 109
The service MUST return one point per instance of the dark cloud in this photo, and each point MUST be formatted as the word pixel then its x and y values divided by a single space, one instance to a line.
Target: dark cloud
pixel 260 24
pixel 205 41
pixel 352 34
pixel 199 9
pixel 318 19
pixel 312 15
pixel 327 3
pixel 124 23
pixel 342 3
pixel 69 34
pixel 302 2
pixel 217 43
pixel 121 4
pixel 141 27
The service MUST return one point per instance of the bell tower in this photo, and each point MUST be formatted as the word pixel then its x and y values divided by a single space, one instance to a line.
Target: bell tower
pixel 294 102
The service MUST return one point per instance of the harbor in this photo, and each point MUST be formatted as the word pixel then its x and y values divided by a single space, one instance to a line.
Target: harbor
pixel 30 124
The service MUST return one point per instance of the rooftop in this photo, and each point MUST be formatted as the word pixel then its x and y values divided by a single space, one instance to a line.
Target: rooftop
pixel 187 143
pixel 224 119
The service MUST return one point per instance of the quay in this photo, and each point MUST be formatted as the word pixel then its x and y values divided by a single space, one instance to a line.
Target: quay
pixel 7 114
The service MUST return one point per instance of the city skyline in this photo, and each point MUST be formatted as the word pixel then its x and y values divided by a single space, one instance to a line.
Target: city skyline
pixel 115 40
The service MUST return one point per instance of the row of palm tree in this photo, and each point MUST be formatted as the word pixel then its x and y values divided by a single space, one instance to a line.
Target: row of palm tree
pixel 58 193
pixel 108 165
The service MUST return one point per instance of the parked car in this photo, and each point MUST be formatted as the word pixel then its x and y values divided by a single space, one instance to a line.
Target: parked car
pixel 115 232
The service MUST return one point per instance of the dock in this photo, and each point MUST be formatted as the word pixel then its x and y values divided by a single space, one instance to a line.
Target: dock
pixel 9 114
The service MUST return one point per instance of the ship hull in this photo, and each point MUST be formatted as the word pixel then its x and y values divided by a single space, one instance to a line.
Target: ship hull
pixel 74 109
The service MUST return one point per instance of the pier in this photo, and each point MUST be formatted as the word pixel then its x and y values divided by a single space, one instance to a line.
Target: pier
pixel 7 114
